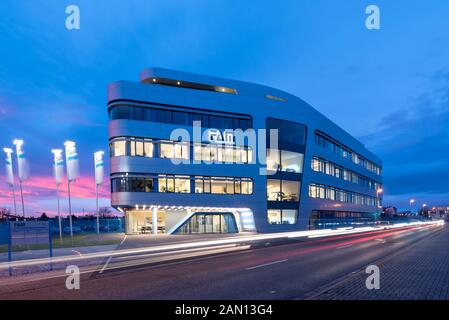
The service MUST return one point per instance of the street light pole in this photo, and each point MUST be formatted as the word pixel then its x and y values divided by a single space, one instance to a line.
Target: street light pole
pixel 378 191
pixel 411 202
pixel 99 164
pixel 58 167
pixel 10 175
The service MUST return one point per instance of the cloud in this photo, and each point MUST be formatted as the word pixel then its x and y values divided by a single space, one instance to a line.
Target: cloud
pixel 413 143
pixel 40 195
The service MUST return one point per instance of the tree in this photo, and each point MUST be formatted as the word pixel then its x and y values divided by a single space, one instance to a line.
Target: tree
pixel 4 212
pixel 104 212
pixel 44 217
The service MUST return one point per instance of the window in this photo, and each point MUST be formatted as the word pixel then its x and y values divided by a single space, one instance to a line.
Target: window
pixel 285 161
pixel 119 148
pixel 218 185
pixel 274 217
pixel 181 118
pixel 131 147
pixel 335 194
pixel 283 216
pixel 329 168
pixel 290 190
pixel 291 161
pixel 199 184
pixel 293 133
pixel 274 190
pixel 289 216
pixel 328 143
pixel 178 117
pixel 282 190
pixel 223 185
pixel 247 186
pixel 219 154
pixel 273 160
pixel 166 183
pixel 132 184
pixel 182 184
pixel 288 132
pixel 175 150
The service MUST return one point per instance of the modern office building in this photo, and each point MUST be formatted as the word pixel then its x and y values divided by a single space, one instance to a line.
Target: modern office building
pixel 170 176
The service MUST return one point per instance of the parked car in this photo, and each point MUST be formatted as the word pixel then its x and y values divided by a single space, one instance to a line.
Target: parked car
pixel 75 230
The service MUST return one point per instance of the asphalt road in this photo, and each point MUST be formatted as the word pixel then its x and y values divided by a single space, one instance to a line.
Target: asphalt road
pixel 288 271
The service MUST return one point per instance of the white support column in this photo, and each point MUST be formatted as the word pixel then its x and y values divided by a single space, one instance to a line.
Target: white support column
pixel 154 220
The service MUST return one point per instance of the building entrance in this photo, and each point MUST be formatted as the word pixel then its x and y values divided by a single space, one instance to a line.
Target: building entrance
pixel 205 222
pixel 140 221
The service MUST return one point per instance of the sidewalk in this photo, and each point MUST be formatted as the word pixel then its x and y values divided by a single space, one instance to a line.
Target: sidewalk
pixel 44 253
pixel 420 272
pixel 149 240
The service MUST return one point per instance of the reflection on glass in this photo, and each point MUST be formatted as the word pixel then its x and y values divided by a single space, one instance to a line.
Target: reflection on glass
pixel 284 216
pixel 273 160
pixel 274 216
pixel 290 190
pixel 182 184
pixel 292 161
pixel 274 190
pixel 119 148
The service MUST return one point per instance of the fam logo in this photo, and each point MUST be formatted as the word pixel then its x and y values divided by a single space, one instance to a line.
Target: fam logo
pixel 216 136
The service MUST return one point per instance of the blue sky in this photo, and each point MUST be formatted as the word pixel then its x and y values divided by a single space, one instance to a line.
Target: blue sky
pixel 388 87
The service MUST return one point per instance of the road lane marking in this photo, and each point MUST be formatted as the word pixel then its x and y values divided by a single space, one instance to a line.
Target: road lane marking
pixel 266 264
pixel 381 240
pixel 124 238
pixel 105 265
pixel 345 246
pixel 77 252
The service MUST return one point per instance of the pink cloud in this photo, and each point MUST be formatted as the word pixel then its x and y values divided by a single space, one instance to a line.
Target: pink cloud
pixel 40 194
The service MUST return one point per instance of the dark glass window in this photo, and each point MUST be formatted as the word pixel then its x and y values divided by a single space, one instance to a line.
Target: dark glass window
pixel 157 115
pixel 168 116
pixel 124 113
pixel 146 114
pixel 217 122
pixel 205 121
pixel 227 123
pixel 293 132
pixel 180 118
pixel 138 113
pixel 177 117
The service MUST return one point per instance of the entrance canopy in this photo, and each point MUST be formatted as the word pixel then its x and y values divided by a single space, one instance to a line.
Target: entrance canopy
pixel 171 219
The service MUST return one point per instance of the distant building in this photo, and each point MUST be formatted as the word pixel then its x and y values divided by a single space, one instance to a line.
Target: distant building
pixel 440 212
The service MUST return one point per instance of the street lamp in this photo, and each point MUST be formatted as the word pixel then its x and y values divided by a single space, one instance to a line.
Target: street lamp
pixel 22 169
pixel 58 167
pixel 378 191
pixel 412 201
pixel 10 174
pixel 99 164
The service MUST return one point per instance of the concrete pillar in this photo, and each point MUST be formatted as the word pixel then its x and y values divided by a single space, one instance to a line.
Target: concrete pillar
pixel 154 220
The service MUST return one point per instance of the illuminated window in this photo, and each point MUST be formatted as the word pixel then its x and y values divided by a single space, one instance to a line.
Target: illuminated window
pixel 167 150
pixel 182 184
pixel 119 148
pixel 291 161
pixel 273 160
pixel 218 185
pixel 274 217
pixel 283 216
pixel 274 190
